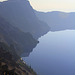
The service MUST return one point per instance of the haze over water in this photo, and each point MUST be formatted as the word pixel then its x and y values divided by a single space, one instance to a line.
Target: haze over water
pixel 55 54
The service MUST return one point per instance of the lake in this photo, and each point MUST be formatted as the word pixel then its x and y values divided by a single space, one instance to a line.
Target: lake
pixel 55 54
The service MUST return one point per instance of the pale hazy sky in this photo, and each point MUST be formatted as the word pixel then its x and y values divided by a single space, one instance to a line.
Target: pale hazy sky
pixel 53 5
pixel 2 0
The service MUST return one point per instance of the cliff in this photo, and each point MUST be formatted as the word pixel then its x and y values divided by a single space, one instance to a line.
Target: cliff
pixel 12 36
pixel 19 29
pixel 19 13
pixel 13 43
pixel 8 65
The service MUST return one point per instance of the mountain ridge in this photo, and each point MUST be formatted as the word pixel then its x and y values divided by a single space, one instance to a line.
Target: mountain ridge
pixel 22 16
pixel 58 20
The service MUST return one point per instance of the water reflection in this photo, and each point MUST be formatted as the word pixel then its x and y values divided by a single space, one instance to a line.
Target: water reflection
pixel 55 54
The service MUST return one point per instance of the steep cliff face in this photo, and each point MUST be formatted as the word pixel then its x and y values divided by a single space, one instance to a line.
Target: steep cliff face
pixel 58 20
pixel 8 65
pixel 20 41
pixel 20 14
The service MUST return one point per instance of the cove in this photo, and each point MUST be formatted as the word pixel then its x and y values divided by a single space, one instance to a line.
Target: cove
pixel 55 54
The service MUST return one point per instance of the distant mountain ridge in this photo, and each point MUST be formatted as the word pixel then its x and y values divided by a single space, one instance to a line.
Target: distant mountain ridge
pixel 58 20
pixel 20 14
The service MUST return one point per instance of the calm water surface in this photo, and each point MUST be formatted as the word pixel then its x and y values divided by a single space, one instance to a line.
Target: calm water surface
pixel 55 54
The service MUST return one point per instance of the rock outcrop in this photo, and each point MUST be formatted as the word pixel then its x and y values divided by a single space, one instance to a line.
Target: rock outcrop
pixel 8 65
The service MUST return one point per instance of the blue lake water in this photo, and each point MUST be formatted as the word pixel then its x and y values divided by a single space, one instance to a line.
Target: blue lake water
pixel 55 54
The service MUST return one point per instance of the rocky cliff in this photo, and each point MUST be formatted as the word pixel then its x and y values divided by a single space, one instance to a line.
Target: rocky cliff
pixel 10 66
pixel 12 36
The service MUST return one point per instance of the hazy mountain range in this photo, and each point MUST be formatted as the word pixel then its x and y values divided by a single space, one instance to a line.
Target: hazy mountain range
pixel 19 30
pixel 21 26
pixel 57 20
pixel 20 14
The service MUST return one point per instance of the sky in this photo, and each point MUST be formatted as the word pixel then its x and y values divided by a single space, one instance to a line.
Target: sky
pixel 2 0
pixel 53 5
